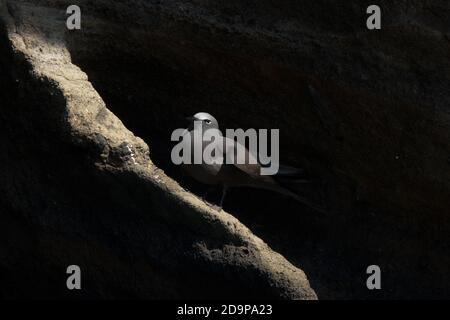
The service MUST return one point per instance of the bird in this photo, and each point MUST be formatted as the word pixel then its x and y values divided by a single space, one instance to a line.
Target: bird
pixel 234 175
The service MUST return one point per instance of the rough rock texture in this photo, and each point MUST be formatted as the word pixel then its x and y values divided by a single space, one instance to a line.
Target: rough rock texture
pixel 365 112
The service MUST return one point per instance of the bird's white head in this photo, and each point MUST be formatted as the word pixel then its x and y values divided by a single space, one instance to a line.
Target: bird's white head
pixel 207 120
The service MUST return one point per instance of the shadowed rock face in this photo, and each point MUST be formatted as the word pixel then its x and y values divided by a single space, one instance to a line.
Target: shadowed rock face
pixel 366 113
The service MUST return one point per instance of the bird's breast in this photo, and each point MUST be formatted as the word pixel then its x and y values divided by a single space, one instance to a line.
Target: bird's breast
pixel 204 173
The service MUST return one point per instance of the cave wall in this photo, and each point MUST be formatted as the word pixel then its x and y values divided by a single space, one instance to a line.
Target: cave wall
pixel 365 113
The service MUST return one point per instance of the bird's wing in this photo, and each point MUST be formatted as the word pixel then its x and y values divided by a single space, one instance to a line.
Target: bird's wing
pixel 250 164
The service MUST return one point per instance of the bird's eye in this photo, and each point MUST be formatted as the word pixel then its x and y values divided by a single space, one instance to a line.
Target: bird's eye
pixel 208 121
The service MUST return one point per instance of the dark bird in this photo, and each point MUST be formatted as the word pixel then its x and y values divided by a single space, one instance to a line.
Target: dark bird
pixel 238 175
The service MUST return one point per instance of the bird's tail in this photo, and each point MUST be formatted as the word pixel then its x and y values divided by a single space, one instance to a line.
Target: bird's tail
pixel 288 174
pixel 288 178
pixel 303 200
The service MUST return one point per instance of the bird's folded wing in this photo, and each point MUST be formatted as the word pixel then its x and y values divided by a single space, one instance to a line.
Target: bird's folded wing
pixel 248 163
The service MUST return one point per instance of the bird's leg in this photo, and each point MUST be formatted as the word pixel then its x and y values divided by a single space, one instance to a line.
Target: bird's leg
pixel 205 195
pixel 205 200
pixel 224 193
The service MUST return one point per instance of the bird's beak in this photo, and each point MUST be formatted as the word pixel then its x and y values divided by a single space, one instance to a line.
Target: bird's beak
pixel 190 121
